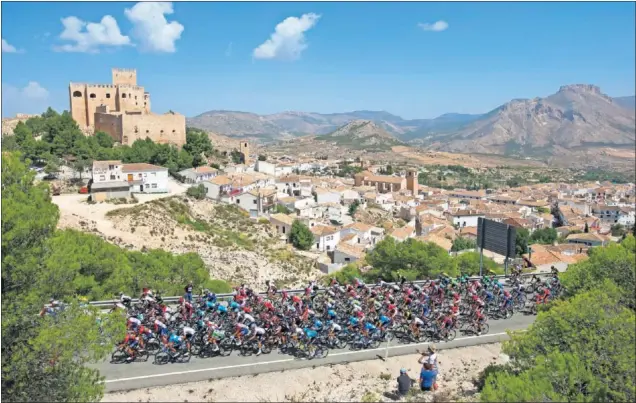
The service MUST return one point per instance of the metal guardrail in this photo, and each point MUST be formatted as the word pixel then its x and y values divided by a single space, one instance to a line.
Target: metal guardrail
pixel 172 300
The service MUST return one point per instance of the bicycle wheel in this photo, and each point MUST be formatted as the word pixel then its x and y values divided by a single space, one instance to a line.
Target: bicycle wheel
pixel 375 343
pixel 153 346
pixel 223 351
pixel 485 328
pixel 451 334
pixel 118 356
pixel 161 358
pixel 185 357
pixel 340 343
pixel 266 348
pixel 142 356
pixel 195 348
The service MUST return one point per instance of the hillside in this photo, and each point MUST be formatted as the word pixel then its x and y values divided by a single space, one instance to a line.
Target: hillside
pixel 232 246
pixel 577 117
pixel 361 135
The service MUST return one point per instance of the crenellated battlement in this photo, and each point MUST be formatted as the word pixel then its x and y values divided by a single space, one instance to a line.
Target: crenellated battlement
pixel 122 70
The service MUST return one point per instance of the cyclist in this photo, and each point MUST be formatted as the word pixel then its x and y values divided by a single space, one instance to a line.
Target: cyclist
pixel 258 333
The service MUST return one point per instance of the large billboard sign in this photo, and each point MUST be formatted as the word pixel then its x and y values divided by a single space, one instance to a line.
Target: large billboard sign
pixel 497 237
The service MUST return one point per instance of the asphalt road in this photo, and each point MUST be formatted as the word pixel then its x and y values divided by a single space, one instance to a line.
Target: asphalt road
pixel 146 374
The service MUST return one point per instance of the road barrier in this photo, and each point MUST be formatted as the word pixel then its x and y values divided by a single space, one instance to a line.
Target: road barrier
pixel 174 300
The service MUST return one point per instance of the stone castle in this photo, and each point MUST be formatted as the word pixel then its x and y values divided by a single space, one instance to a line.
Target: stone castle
pixel 122 109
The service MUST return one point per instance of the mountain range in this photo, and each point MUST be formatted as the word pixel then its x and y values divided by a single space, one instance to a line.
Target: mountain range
pixel 577 116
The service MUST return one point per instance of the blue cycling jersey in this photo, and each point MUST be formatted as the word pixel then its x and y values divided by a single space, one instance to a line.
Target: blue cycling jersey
pixel 174 339
pixel 221 308
pixel 311 333
pixel 331 313
pixel 384 319
pixel 353 321
pixel 369 326
pixel 234 305
pixel 317 324
pixel 210 304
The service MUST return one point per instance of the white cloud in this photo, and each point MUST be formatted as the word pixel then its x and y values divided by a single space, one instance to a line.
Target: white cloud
pixel 288 40
pixel 437 26
pixel 152 29
pixel 90 37
pixel 33 98
pixel 8 48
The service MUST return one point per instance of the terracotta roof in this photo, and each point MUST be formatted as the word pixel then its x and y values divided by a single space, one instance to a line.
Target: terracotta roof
pixel 322 230
pixel 140 167
pixel 588 237
pixel 284 218
pixel 402 233
pixel 441 241
pixel 350 249
pixel 288 179
pixel 263 192
pixel 348 237
pixel 468 231
pixel 360 226
pixel 205 169
pixel 106 163
pixel 221 180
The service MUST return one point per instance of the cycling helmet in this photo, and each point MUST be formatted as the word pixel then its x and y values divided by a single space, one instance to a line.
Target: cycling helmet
pixel 140 317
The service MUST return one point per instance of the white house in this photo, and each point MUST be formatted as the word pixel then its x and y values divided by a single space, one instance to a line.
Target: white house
pixel 146 178
pixel 466 218
pixel 107 171
pixel 326 237
pixel 327 195
pixel 265 167
pixel 256 201
pixel 366 234
pixel 199 174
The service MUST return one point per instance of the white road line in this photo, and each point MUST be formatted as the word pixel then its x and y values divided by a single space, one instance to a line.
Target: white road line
pixel 286 360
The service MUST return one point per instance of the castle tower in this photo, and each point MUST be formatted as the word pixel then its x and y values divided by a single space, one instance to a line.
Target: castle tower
pixel 124 76
pixel 244 149
pixel 411 181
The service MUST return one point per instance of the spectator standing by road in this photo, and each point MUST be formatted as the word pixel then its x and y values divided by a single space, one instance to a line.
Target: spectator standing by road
pixel 429 357
pixel 404 383
pixel 188 291
pixel 427 377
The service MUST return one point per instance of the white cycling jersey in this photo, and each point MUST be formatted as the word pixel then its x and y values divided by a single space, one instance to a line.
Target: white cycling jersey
pixel 418 321
pixel 134 320
pixel 248 318
pixel 336 327
pixel 259 331
pixel 188 331
pixel 160 324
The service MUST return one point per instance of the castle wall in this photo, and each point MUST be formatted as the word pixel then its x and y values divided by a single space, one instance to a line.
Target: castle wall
pixel 110 124
pixel 163 129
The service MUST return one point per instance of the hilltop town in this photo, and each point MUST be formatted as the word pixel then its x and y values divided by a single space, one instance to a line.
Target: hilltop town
pixel 350 206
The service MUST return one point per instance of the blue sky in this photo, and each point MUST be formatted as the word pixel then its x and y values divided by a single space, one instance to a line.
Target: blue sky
pixel 338 57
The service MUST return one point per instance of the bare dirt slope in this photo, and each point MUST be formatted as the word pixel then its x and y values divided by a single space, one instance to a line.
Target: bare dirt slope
pixel 359 381
pixel 234 247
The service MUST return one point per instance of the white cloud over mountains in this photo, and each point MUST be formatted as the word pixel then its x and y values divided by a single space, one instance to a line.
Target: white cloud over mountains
pixel 150 29
pixel 437 26
pixel 288 40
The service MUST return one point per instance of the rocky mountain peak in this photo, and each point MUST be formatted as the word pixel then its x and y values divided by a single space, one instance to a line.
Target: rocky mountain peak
pixel 581 88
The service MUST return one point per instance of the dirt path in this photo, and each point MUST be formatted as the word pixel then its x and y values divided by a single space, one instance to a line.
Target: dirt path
pixel 359 381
